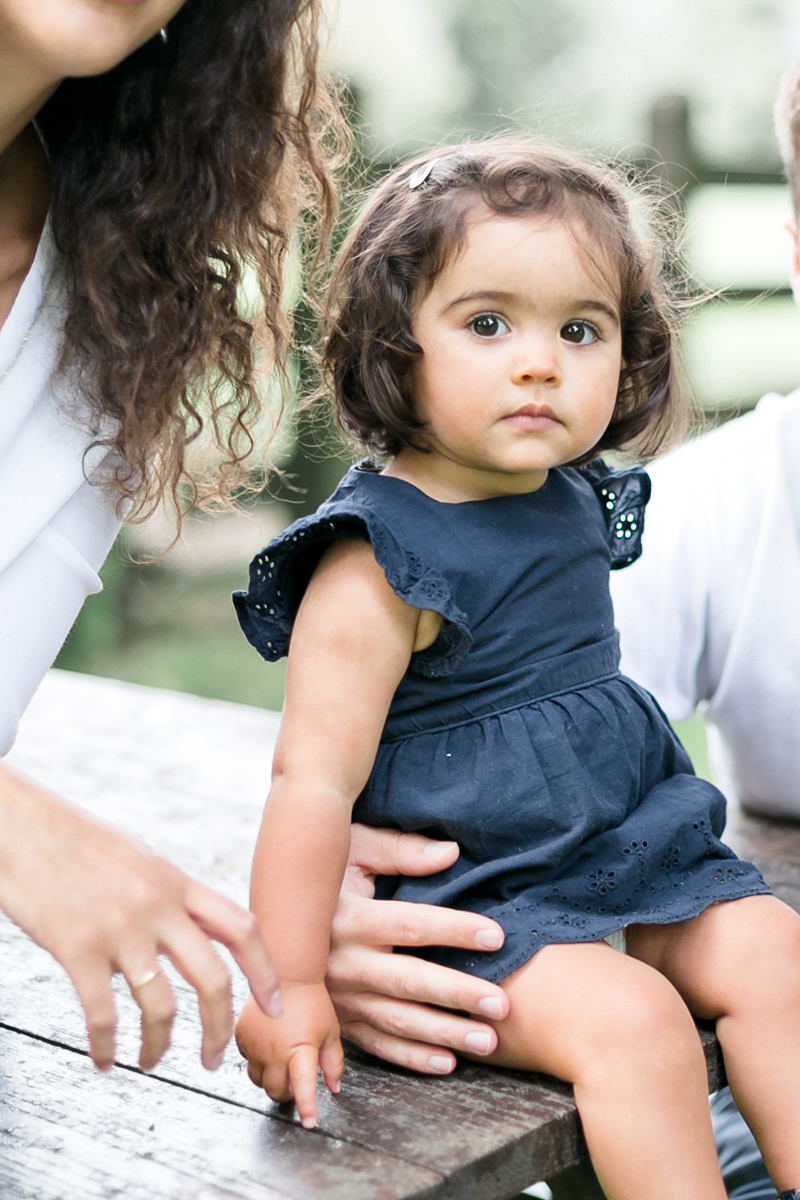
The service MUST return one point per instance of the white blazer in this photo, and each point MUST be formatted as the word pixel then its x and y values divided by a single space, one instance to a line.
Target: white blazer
pixel 710 614
pixel 56 528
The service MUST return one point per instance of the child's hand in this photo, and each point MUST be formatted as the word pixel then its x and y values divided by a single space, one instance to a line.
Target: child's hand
pixel 282 1055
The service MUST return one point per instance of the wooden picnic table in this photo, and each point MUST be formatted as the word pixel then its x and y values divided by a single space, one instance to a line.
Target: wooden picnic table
pixel 189 776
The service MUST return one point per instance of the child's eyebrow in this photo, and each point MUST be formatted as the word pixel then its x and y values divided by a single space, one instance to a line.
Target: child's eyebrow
pixel 599 306
pixel 489 297
pixel 471 297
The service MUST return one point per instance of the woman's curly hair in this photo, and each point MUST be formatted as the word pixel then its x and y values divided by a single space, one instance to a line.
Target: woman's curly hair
pixel 174 176
pixel 417 220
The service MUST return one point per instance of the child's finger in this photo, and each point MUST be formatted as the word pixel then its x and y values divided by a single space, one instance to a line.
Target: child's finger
pixel 331 1060
pixel 303 1078
pixel 276 1083
pixel 255 1071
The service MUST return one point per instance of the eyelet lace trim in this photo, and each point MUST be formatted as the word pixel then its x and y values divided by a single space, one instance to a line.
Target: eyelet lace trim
pixel 279 576
pixel 623 496
pixel 648 900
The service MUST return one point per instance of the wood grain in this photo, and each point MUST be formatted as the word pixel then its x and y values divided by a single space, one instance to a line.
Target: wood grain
pixel 68 1133
pixel 773 845
pixel 189 777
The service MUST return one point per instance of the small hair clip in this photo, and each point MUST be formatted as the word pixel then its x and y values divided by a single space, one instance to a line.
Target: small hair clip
pixel 421 174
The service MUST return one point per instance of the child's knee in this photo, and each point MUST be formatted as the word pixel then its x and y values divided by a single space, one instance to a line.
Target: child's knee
pixel 768 952
pixel 645 1026
pixel 634 1019
pixel 651 1012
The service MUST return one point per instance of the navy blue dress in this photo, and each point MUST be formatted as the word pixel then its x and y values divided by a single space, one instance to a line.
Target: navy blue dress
pixel 575 806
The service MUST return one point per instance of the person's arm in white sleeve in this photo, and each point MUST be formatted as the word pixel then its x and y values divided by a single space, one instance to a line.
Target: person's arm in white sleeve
pixel 95 900
pixel 661 601
pixel 41 593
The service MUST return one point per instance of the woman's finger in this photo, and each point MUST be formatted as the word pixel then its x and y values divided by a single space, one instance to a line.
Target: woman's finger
pixel 414 1056
pixel 200 965
pixel 92 982
pixel 303 1079
pixel 153 993
pixel 388 852
pixel 400 923
pixel 415 1023
pixel 331 1061
pixel 237 929
pixel 407 978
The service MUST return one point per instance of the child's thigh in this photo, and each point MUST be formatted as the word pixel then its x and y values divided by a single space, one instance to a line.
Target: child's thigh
pixel 579 1007
pixel 735 954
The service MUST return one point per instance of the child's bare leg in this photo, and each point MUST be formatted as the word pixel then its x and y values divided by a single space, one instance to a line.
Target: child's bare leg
pixel 621 1034
pixel 739 962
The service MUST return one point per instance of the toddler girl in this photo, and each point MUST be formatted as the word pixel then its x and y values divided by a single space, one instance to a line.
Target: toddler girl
pixel 453 670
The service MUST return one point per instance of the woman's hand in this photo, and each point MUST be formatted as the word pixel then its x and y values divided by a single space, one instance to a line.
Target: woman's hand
pixel 101 904
pixel 282 1056
pixel 383 999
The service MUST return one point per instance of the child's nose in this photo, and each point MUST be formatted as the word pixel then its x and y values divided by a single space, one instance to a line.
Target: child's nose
pixel 539 362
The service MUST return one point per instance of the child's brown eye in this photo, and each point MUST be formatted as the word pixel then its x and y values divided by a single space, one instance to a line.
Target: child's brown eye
pixel 488 325
pixel 579 333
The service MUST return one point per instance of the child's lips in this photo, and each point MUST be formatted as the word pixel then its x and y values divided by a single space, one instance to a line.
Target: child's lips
pixel 534 417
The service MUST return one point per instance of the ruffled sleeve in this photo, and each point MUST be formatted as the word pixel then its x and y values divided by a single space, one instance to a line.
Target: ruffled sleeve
pixel 280 574
pixel 623 496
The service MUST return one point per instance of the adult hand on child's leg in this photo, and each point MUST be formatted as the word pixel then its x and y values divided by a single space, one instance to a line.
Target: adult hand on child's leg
pixel 283 1055
pixel 383 1000
pixel 101 904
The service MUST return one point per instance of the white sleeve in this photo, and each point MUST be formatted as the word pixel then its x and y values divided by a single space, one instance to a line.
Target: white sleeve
pixel 41 594
pixel 661 601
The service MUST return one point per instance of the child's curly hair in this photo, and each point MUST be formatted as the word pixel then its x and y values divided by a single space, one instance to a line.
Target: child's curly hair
pixel 412 226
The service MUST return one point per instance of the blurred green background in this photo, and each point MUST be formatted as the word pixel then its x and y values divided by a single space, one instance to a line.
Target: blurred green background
pixel 684 89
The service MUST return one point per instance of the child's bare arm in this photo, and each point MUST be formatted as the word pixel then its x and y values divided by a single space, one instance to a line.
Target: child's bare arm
pixel 351 645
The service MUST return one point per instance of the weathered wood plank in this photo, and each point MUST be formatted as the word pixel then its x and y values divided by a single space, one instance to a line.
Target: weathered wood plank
pixel 763 839
pixel 774 846
pixel 491 1131
pixel 189 776
pixel 67 1133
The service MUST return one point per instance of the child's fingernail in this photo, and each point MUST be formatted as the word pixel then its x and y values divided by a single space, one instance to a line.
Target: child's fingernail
pixel 217 1061
pixel 438 1062
pixel 489 939
pixel 275 1004
pixel 336 1088
pixel 309 1122
pixel 481 1043
pixel 491 1006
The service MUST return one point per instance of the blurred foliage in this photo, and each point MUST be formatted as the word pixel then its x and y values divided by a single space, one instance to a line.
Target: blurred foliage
pixel 154 625
pixel 501 46
pixel 318 462
pixel 692 734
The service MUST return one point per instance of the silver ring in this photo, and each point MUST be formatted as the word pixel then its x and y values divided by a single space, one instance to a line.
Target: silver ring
pixel 147 978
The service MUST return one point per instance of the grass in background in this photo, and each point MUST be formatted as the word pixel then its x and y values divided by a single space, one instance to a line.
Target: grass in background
pixel 156 626
pixel 693 735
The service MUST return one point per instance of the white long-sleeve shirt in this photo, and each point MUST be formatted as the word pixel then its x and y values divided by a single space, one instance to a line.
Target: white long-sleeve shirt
pixel 711 611
pixel 55 527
